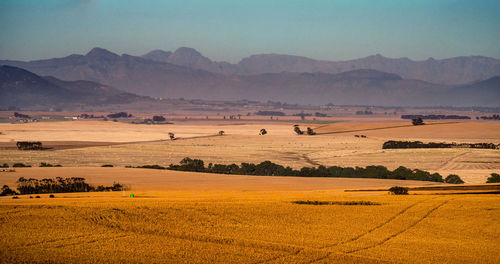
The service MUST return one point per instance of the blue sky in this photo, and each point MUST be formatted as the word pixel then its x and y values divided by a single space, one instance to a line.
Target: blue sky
pixel 233 29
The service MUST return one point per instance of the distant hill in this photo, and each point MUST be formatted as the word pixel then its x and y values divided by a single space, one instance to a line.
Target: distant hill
pixel 484 93
pixel 21 88
pixel 186 73
pixel 458 70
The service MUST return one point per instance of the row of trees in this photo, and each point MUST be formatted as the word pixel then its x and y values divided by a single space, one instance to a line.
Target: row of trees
pixel 392 144
pixel 119 115
pixel 22 165
pixel 492 117
pixel 435 117
pixel 60 185
pixel 268 168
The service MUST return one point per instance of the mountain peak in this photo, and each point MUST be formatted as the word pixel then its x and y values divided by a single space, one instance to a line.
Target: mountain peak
pixel 101 53
pixel 187 51
pixel 157 55
pixel 187 57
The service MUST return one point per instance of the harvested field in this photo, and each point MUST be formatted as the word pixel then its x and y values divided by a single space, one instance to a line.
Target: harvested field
pixel 94 143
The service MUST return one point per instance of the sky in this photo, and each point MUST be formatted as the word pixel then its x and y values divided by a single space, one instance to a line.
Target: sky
pixel 229 30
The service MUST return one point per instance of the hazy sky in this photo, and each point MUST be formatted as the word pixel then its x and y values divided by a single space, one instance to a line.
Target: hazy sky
pixel 232 29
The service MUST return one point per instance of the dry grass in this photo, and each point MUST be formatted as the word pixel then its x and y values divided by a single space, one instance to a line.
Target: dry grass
pixel 243 144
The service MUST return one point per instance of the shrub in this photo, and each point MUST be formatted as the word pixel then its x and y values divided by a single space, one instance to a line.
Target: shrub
pixel 494 178
pixel 5 165
pixel 7 191
pixel 15 197
pixel 336 202
pixel 107 165
pixel 38 196
pixel 20 165
pixel 156 167
pixel 397 190
pixel 51 196
pixel 159 118
pixel 453 178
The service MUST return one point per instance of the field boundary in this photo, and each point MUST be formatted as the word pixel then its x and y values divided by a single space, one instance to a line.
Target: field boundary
pixel 380 128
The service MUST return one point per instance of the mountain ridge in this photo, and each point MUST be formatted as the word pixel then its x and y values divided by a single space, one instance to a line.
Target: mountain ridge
pixel 194 79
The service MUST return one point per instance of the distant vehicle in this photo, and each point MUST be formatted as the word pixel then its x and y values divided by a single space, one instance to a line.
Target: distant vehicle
pixel 263 132
pixel 417 121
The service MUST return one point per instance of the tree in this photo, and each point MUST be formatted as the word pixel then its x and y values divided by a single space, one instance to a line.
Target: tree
pixel 159 118
pixel 397 190
pixel 454 179
pixel 494 178
pixel 7 191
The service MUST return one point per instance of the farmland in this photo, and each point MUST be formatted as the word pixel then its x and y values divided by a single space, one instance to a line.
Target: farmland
pixel 191 217
pixel 192 226
pixel 94 143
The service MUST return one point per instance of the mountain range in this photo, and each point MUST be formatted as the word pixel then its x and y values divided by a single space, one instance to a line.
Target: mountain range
pixel 458 70
pixel 374 80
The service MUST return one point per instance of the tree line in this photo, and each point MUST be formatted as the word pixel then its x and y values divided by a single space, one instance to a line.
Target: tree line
pixel 435 117
pixel 268 168
pixel 392 144
pixel 61 185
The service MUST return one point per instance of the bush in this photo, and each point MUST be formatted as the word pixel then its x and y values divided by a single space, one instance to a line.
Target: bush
pixel 5 165
pixel 156 167
pixel 494 178
pixel 397 190
pixel 159 118
pixel 453 178
pixel 20 165
pixel 51 196
pixel 15 197
pixel 107 165
pixel 44 164
pixel 7 191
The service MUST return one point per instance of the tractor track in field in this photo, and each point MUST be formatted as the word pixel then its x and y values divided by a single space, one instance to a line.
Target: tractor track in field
pixel 378 128
pixel 450 163
pixel 329 252
pixel 309 160
pixel 402 231
pixel 92 241
pixel 375 228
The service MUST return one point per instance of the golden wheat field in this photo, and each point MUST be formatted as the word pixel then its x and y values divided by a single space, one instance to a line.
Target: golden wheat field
pixel 188 217
pixel 193 226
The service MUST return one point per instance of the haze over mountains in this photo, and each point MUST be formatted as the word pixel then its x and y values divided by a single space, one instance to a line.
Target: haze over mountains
pixel 374 80
pixel 458 70
pixel 22 88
